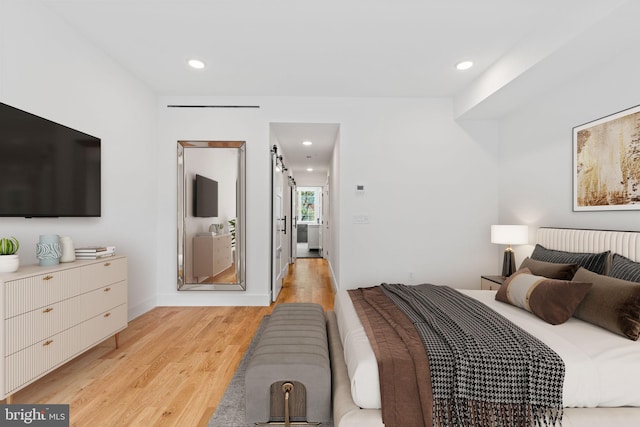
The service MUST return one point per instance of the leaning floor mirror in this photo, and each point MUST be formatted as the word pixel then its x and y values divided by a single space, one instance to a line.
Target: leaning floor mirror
pixel 211 215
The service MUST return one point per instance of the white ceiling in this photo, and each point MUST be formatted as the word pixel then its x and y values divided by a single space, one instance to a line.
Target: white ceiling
pixel 339 48
pixel 309 48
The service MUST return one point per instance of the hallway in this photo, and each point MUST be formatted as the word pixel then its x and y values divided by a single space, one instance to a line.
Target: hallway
pixel 308 280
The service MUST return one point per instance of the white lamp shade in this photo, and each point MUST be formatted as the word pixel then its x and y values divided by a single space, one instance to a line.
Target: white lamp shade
pixel 510 234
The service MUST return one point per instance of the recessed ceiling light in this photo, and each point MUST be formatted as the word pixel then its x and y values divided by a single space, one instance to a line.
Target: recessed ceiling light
pixel 196 63
pixel 309 169
pixel 307 142
pixel 464 65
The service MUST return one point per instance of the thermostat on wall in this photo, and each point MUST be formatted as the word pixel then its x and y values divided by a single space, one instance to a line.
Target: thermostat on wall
pixel 359 188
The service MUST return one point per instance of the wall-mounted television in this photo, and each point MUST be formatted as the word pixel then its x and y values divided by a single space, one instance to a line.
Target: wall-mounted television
pixel 205 197
pixel 47 169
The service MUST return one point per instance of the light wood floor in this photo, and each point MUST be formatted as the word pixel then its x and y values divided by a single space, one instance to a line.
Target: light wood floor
pixel 173 364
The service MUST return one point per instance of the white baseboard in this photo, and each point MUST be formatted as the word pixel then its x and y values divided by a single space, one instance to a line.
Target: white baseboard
pixel 212 299
pixel 140 309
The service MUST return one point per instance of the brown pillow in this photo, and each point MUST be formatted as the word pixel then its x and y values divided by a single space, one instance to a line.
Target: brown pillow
pixel 613 304
pixel 550 269
pixel 551 300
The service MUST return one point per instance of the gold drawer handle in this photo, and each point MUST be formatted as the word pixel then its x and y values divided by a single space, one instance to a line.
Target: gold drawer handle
pixel 47 342
pixel 107 289
pixel 107 264
pixel 47 310
pixel 107 314
pixel 47 277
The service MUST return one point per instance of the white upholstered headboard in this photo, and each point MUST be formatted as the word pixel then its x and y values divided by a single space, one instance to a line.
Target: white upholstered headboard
pixel 625 243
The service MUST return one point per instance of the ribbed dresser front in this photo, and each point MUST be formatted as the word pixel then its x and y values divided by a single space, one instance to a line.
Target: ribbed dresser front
pixel 52 314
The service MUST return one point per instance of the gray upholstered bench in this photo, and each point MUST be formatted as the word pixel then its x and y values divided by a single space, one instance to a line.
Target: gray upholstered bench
pixel 293 348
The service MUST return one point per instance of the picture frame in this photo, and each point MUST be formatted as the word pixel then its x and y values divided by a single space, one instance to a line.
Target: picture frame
pixel 606 163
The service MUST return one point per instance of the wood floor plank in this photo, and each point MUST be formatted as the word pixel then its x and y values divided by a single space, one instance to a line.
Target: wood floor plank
pixel 173 364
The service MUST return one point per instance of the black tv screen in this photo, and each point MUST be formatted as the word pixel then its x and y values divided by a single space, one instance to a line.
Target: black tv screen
pixel 205 197
pixel 48 170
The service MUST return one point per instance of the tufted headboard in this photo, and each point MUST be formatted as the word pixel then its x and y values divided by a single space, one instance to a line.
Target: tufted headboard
pixel 625 243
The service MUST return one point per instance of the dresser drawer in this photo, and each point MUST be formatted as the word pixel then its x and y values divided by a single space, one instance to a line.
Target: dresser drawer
pixel 27 329
pixel 38 291
pixel 32 362
pixel 103 299
pixel 103 273
pixel 104 325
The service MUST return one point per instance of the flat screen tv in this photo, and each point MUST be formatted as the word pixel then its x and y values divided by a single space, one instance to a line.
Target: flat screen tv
pixel 47 169
pixel 205 197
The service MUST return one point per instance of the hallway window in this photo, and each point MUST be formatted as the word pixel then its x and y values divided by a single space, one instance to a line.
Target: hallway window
pixel 309 204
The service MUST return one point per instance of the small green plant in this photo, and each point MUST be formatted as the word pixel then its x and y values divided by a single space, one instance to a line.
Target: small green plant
pixel 232 230
pixel 9 246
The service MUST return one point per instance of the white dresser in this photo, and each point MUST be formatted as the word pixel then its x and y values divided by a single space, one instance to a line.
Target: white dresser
pixel 51 314
pixel 211 254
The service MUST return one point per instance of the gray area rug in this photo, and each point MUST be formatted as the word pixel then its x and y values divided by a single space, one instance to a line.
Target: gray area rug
pixel 230 410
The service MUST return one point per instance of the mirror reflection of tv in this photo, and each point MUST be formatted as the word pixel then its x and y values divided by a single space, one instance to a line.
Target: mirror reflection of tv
pixel 205 197
pixel 47 169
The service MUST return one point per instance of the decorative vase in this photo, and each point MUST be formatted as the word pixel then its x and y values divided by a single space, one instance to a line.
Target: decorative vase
pixel 9 263
pixel 49 249
pixel 216 228
pixel 68 249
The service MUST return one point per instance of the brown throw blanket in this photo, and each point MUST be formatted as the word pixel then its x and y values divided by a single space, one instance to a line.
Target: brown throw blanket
pixel 483 370
pixel 402 360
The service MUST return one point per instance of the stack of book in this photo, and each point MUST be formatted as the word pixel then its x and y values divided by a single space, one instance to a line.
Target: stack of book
pixel 95 252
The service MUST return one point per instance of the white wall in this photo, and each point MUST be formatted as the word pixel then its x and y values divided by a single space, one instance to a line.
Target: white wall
pixel 536 148
pixel 235 124
pixel 429 194
pixel 48 69
pixel 431 189
pixel 332 253
pixel 310 179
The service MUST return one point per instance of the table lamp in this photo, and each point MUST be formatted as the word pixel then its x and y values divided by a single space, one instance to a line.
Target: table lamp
pixel 509 235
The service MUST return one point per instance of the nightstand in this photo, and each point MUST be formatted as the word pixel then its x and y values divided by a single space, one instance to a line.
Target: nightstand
pixel 491 283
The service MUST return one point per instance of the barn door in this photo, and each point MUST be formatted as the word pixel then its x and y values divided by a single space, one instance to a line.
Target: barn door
pixel 278 224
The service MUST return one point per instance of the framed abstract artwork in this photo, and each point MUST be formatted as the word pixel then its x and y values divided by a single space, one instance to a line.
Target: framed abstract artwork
pixel 606 163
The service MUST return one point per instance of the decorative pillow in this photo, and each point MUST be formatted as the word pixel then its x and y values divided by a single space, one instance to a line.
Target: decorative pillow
pixel 613 304
pixel 625 269
pixel 551 300
pixel 593 262
pixel 550 269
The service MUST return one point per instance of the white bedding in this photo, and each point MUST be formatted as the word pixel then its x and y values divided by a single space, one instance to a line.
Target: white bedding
pixel 601 368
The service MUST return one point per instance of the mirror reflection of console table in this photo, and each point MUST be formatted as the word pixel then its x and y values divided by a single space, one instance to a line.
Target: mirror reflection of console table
pixel 211 254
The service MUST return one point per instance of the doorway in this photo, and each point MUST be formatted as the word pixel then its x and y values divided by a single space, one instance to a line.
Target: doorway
pixel 309 223
pixel 280 248
pixel 305 153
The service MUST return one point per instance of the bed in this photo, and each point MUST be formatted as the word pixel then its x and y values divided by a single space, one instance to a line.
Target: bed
pixel 602 368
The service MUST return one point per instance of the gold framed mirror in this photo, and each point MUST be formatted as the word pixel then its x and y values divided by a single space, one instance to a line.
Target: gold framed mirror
pixel 211 215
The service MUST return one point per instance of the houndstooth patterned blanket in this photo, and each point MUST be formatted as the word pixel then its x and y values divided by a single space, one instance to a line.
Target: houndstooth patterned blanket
pixel 486 372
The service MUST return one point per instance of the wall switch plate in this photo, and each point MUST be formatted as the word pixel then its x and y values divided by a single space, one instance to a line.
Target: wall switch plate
pixel 361 219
